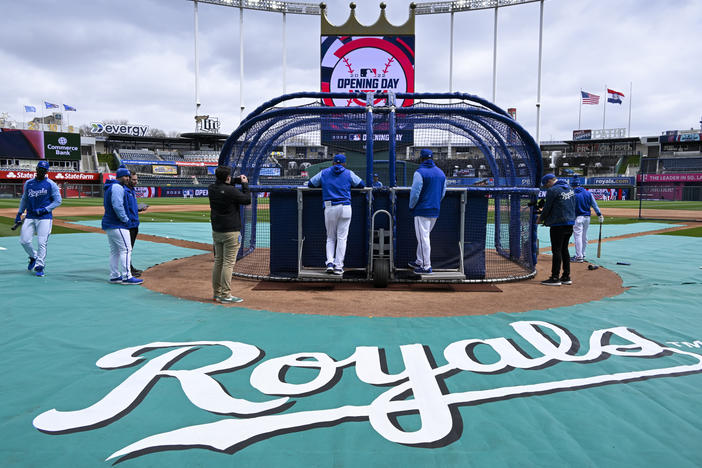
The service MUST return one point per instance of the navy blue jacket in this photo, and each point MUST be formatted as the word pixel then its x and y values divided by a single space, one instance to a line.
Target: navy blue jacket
pixel 584 201
pixel 114 202
pixel 336 183
pixel 39 194
pixel 559 208
pixel 428 189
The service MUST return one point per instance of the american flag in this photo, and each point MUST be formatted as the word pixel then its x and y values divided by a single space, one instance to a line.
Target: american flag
pixel 589 98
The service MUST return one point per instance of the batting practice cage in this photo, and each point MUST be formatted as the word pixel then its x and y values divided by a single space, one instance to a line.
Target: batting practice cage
pixel 485 232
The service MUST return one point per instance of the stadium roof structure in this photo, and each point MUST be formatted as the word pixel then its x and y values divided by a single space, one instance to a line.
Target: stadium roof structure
pixel 422 8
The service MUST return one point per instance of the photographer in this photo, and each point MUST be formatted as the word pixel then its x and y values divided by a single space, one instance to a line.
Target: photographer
pixel 225 217
pixel 559 214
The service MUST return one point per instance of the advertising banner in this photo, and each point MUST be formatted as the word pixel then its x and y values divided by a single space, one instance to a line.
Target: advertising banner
pixel 609 193
pixel 582 134
pixel 145 192
pixel 195 164
pixel 661 192
pixel 147 162
pixel 64 146
pixel 55 176
pixel 611 181
pixel 159 169
pixel 359 63
pixel 670 177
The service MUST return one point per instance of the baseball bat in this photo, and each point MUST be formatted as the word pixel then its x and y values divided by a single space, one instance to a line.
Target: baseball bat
pixel 16 225
pixel 599 243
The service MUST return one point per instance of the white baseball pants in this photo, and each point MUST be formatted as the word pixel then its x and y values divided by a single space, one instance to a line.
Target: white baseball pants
pixel 41 228
pixel 120 253
pixel 580 235
pixel 422 228
pixel 337 219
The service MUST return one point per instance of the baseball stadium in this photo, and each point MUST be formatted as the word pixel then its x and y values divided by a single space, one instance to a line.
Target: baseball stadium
pixel 472 362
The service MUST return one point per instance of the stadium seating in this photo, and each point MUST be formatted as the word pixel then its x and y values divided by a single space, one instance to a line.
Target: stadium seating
pixel 201 156
pixel 140 154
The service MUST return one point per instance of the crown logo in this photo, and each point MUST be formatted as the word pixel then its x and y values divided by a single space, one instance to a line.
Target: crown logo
pixel 352 27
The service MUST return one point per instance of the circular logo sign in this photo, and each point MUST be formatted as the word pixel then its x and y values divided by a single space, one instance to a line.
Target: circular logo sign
pixel 367 64
pixel 62 140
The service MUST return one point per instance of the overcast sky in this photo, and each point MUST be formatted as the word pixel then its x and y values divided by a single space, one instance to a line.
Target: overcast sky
pixel 134 59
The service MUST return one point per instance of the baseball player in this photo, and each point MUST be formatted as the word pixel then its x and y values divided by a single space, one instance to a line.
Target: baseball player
pixel 336 182
pixel 376 181
pixel 41 195
pixel 428 189
pixel 118 215
pixel 584 202
pixel 559 214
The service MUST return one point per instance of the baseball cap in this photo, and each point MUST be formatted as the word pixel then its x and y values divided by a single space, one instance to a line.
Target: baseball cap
pixel 376 175
pixel 426 154
pixel 122 172
pixel 339 158
pixel 43 165
pixel 575 182
pixel 546 178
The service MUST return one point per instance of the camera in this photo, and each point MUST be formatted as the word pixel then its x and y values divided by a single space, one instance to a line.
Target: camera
pixel 538 204
pixel 235 180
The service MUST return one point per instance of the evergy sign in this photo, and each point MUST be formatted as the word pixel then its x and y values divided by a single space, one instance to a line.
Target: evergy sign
pixel 133 130
pixel 245 422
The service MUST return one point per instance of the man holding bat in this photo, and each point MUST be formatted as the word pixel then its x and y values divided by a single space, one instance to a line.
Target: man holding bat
pixel 39 198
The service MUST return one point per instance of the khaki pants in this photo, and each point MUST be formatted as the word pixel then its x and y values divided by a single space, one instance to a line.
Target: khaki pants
pixel 226 247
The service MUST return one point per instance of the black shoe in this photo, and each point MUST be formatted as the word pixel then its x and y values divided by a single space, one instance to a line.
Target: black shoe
pixel 551 282
pixel 136 273
pixel 566 280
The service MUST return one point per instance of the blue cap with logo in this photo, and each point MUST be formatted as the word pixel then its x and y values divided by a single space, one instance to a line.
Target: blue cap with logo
pixel 426 154
pixel 43 165
pixel 575 182
pixel 339 158
pixel 546 178
pixel 123 172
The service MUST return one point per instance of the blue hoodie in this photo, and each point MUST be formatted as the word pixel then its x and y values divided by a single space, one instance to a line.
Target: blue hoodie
pixel 559 208
pixel 114 202
pixel 39 194
pixel 428 189
pixel 336 182
pixel 584 201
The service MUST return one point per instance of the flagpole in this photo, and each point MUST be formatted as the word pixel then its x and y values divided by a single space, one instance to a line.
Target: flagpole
pixel 604 108
pixel 41 125
pixel 580 107
pixel 628 129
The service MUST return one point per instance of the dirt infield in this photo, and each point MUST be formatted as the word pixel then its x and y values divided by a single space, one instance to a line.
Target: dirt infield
pixel 190 278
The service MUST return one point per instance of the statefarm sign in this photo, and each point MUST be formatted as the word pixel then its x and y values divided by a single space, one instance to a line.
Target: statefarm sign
pixel 57 176
pixel 243 422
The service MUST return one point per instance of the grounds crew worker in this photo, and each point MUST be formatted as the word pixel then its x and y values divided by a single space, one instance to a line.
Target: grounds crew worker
pixel 559 214
pixel 40 197
pixel 428 189
pixel 225 217
pixel 336 182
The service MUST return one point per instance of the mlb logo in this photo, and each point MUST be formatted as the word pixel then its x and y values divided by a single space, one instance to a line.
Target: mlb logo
pixel 355 137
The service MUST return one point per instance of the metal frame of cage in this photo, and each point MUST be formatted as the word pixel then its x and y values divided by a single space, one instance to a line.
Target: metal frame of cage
pixel 250 154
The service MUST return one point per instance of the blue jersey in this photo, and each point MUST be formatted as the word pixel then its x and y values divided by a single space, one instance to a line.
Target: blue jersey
pixel 336 183
pixel 584 201
pixel 40 194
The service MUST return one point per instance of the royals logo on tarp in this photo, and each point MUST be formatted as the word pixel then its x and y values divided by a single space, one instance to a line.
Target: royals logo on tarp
pixel 271 411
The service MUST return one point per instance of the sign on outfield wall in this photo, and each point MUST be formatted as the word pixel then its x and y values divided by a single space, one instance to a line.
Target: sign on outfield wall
pixel 669 177
pixel 56 176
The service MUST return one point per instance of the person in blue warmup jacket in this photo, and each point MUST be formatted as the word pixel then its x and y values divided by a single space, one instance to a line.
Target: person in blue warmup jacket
pixel 559 214
pixel 428 189
pixel 120 211
pixel 584 202
pixel 40 197
pixel 336 182
pixel 376 181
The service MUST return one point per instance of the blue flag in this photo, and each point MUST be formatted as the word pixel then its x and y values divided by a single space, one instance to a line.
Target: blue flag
pixel 50 105
pixel 30 109
pixel 66 107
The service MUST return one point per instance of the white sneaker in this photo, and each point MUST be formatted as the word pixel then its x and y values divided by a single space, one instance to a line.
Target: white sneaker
pixel 229 299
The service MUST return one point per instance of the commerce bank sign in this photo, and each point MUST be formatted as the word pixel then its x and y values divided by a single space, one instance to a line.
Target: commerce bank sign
pixel 248 422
